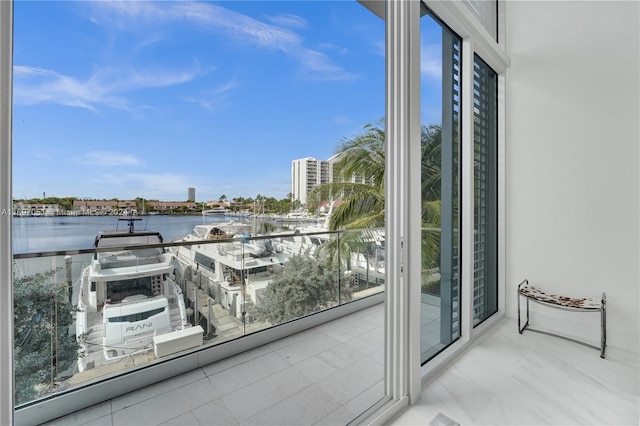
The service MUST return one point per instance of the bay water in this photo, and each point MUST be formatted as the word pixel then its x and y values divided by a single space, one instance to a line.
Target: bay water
pixel 33 235
pixel 42 234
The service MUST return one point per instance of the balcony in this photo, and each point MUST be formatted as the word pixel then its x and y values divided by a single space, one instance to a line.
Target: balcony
pixel 326 368
pixel 331 373
pixel 200 316
pixel 325 375
pixel 245 370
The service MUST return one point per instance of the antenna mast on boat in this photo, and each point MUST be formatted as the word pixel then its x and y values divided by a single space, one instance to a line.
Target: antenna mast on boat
pixel 131 221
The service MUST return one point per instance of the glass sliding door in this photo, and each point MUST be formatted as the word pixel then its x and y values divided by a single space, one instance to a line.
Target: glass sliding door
pixel 485 252
pixel 440 139
pixel 117 123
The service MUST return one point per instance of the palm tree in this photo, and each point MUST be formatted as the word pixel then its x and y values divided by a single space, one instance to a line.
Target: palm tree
pixel 431 171
pixel 361 169
pixel 360 181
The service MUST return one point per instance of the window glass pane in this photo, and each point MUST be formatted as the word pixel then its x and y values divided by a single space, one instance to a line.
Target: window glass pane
pixel 486 11
pixel 485 253
pixel 191 115
pixel 440 105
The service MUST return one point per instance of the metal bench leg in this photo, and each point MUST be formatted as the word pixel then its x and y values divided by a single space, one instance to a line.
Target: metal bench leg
pixel 603 325
pixel 520 330
pixel 518 302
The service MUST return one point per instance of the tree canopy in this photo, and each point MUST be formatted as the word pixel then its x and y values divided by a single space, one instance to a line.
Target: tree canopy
pixel 43 347
pixel 361 173
pixel 306 285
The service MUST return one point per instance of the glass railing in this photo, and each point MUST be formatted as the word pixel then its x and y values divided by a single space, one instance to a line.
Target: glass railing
pixel 83 316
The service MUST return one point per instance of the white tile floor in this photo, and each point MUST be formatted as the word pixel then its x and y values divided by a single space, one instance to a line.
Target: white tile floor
pixel 330 374
pixel 326 375
pixel 532 379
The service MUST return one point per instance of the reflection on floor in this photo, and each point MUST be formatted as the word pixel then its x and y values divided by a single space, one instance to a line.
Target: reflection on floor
pixel 330 374
pixel 325 375
pixel 431 343
pixel 532 379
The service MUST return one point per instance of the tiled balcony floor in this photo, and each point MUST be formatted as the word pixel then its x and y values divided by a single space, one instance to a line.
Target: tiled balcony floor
pixel 325 375
pixel 333 372
pixel 531 379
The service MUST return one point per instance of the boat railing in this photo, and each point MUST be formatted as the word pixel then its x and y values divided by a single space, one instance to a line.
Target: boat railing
pixel 179 300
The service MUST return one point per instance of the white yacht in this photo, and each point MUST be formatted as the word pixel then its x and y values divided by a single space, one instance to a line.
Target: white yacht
pixel 216 211
pixel 238 267
pixel 126 297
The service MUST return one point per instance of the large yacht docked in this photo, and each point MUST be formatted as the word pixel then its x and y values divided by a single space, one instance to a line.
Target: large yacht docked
pixel 236 267
pixel 126 297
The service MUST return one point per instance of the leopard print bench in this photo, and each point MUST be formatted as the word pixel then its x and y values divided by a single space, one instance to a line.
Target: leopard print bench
pixel 582 304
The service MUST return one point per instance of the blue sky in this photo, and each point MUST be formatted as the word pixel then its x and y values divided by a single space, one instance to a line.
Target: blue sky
pixel 138 98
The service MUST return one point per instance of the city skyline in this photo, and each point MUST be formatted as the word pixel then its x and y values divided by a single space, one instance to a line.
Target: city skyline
pixel 118 99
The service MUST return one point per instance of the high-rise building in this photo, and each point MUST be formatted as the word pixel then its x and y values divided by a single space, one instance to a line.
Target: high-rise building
pixel 307 173
pixel 191 194
pixel 336 176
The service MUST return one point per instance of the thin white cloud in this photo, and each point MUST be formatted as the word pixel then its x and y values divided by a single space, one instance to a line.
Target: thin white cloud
pixel 104 87
pixel 149 40
pixel 227 87
pixel 127 14
pixel 332 47
pixel 379 47
pixel 37 85
pixel 341 119
pixel 289 20
pixel 107 159
pixel 102 13
pixel 215 101
pixel 204 103
pixel 430 61
pixel 316 66
pixel 19 71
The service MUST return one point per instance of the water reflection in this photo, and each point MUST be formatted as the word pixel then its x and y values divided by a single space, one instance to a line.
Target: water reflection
pixel 41 234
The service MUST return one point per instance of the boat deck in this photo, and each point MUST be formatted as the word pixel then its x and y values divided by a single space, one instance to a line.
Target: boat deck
pixel 94 357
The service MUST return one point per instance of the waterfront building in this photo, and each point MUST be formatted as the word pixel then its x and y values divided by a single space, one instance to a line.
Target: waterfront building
pixel 336 176
pixel 164 206
pixel 191 194
pixel 104 207
pixel 27 209
pixel 306 174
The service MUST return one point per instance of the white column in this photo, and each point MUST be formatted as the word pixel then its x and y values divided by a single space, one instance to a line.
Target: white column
pixel 402 195
pixel 6 286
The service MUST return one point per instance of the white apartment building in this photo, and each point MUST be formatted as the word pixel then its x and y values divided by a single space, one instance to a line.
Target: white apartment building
pixel 307 173
pixel 336 177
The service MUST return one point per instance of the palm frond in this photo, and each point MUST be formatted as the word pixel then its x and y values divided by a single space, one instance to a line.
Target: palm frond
pixel 366 201
pixel 431 212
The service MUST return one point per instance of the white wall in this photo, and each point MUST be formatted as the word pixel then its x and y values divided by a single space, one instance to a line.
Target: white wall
pixel 572 159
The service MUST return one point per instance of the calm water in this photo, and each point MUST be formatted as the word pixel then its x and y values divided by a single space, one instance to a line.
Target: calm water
pixel 45 234
pixel 41 234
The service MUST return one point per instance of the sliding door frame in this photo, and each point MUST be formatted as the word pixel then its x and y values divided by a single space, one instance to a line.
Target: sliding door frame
pixel 404 375
pixel 6 255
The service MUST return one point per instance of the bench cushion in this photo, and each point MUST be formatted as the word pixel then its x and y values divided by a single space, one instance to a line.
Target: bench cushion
pixel 553 299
